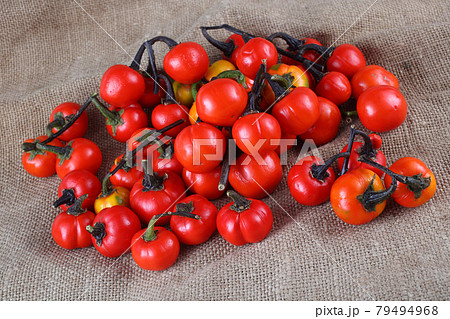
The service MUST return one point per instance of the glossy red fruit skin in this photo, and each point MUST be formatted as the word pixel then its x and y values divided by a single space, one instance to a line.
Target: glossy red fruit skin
pixel 134 118
pixel 347 59
pixel 121 223
pixel 238 42
pixel 286 143
pixel 410 166
pixel 78 129
pixel 250 226
pixel 353 162
pixel 192 231
pixel 205 184
pixel 121 86
pixel 335 87
pixel 125 178
pixel 163 165
pixel 381 108
pixel 252 179
pixel 42 165
pixel 252 53
pixel 344 196
pixel 69 231
pixel 186 63
pixel 146 204
pixel 327 126
pixel 149 99
pixel 370 76
pixel 132 143
pixel 202 140
pixel 298 111
pixel 312 55
pixel 165 114
pixel 82 182
pixel 85 155
pixel 221 102
pixel 304 187
pixel 257 127
pixel 158 254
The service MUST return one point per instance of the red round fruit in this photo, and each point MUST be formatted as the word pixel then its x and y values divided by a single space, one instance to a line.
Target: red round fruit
pixel 370 76
pixel 335 87
pixel 200 147
pixel 327 126
pixel 186 63
pixel 221 102
pixel 256 178
pixel 121 86
pixel 192 231
pixel 347 59
pixel 298 111
pixel 252 53
pixel 381 108
pixel 306 189
pixel 205 184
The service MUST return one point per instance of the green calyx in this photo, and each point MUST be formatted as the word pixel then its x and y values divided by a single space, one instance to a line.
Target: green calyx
pixel 235 75
pixel 184 208
pixel 97 231
pixel 240 203
pixel 152 182
pixel 417 184
pixel 166 151
pixel 371 198
pixel 285 81
pixel 77 209
pixel 32 150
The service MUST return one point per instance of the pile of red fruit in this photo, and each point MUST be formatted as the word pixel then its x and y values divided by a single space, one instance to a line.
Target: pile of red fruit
pixel 219 124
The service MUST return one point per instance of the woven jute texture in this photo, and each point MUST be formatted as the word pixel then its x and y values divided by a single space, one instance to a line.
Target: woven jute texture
pixel 56 51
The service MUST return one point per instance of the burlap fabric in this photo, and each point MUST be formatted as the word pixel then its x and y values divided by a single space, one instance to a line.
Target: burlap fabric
pixel 52 51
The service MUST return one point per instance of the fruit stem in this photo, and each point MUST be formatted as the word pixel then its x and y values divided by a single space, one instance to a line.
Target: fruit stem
pixel 152 182
pixel 226 47
pixel 371 198
pixel 416 183
pixel 170 96
pixel 76 208
pixel 70 123
pixel 109 115
pixel 97 231
pixel 278 91
pixel 106 189
pixel 349 149
pixel 225 172
pixel 62 152
pixel 367 148
pixel 293 43
pixel 67 197
pixel 182 209
pixel 319 172
pixel 58 122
